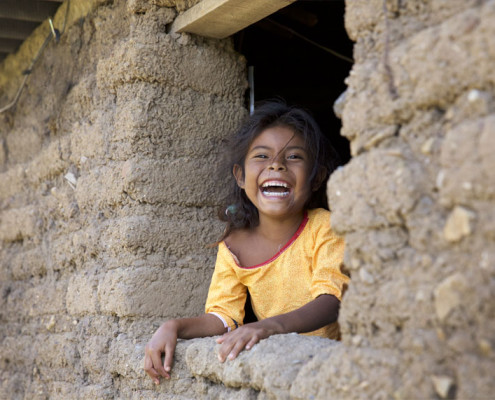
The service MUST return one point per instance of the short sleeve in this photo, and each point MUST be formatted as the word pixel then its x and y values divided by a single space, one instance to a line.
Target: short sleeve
pixel 227 295
pixel 328 255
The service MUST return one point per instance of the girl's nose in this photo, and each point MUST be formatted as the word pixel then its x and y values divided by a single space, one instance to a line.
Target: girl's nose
pixel 277 165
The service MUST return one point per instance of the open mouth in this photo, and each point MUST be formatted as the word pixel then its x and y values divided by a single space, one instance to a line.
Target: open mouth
pixel 275 189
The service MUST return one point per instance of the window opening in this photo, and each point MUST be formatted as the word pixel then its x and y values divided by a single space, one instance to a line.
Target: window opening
pixel 283 64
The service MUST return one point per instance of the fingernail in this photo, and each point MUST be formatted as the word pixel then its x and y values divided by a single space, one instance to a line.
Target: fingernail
pixel 220 359
pixel 167 369
pixel 231 356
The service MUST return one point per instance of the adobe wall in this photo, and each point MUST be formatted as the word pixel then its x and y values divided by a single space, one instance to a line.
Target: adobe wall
pixel 417 201
pixel 108 195
pixel 89 270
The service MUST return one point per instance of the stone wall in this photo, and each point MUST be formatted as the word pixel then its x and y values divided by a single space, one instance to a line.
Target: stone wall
pixel 416 202
pixel 108 195
pixel 106 203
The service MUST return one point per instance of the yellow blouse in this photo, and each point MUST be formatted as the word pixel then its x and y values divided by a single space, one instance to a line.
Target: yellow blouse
pixel 308 266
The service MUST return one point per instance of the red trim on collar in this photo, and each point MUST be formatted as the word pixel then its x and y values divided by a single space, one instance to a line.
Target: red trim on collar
pixel 291 240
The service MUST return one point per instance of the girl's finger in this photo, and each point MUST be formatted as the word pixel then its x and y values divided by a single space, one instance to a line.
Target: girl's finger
pixel 156 359
pixel 220 339
pixel 154 376
pixel 150 370
pixel 252 342
pixel 169 358
pixel 225 349
pixel 238 347
pixel 226 336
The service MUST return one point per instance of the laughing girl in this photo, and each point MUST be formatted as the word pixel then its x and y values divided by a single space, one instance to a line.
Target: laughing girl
pixel 278 244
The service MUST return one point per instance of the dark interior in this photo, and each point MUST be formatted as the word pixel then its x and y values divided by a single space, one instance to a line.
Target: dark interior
pixel 18 20
pixel 290 67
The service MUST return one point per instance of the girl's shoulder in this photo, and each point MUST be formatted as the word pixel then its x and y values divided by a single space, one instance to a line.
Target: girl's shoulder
pixel 236 238
pixel 319 216
pixel 238 234
pixel 319 222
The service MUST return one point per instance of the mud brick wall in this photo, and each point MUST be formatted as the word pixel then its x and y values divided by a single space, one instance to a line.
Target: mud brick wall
pixel 416 202
pixel 106 202
pixel 108 195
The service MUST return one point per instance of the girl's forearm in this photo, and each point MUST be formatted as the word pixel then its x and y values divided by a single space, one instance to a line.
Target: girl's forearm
pixel 204 325
pixel 320 312
pixel 314 315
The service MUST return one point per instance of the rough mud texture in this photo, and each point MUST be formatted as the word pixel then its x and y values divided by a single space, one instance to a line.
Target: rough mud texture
pixel 416 202
pixel 107 198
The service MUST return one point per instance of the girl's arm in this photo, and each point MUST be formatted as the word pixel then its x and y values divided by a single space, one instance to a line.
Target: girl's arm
pixel 320 312
pixel 165 339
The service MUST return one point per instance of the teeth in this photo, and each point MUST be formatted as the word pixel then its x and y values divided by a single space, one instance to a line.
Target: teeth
pixel 276 194
pixel 275 183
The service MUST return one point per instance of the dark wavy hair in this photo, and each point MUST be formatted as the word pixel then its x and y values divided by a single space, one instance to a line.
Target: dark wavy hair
pixel 238 211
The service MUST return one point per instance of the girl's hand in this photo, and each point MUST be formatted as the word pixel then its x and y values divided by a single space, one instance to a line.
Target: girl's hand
pixel 163 341
pixel 244 337
pixel 317 313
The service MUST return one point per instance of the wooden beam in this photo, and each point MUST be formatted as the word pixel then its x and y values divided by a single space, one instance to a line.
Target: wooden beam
pixel 13 29
pixel 222 18
pixel 9 45
pixel 25 10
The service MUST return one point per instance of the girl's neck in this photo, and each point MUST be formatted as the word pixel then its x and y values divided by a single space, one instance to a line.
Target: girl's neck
pixel 267 239
pixel 277 230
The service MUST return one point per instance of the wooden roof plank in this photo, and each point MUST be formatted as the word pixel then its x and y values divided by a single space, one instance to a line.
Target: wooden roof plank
pixel 222 18
pixel 9 45
pixel 14 29
pixel 26 10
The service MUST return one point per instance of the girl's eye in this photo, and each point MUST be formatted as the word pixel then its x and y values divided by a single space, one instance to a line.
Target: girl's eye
pixel 294 157
pixel 260 156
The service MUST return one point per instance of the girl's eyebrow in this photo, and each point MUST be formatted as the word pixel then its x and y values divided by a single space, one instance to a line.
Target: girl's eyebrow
pixel 285 148
pixel 296 148
pixel 260 147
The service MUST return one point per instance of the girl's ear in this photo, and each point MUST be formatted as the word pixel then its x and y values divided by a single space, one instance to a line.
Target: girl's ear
pixel 239 175
pixel 319 178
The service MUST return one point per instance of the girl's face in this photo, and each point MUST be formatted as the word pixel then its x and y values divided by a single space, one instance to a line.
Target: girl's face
pixel 276 172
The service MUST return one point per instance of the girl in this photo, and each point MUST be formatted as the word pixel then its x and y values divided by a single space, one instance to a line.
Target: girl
pixel 278 244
